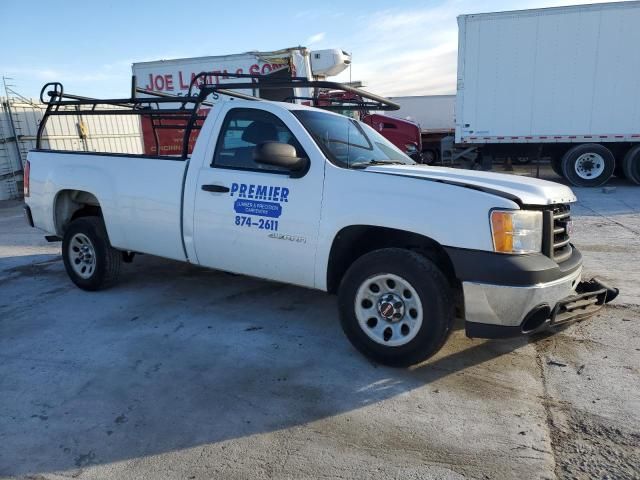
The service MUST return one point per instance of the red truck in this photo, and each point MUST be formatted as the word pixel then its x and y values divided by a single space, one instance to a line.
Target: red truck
pixel 404 134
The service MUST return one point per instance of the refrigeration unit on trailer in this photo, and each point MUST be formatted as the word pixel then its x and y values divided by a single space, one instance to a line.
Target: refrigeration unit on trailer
pixel 560 82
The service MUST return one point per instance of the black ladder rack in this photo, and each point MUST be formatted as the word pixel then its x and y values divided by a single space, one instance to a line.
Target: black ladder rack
pixel 60 103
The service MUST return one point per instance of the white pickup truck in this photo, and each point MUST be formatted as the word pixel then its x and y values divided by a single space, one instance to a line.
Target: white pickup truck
pixel 300 195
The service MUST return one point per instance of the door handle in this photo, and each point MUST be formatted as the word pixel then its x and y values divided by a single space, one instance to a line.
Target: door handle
pixel 215 188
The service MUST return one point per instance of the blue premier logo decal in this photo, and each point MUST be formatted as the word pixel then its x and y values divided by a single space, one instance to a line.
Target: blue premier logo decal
pixel 259 200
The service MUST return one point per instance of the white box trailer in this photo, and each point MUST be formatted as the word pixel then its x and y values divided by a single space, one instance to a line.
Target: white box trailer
pixel 563 82
pixel 174 77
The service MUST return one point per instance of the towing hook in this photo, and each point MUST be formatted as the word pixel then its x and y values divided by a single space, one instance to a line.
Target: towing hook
pixel 597 283
pixel 612 292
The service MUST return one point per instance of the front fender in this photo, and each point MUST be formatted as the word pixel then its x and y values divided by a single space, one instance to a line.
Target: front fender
pixel 451 215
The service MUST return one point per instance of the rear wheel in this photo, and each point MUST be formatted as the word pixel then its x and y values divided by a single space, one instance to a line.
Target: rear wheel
pixel 89 259
pixel 631 164
pixel 588 165
pixel 395 306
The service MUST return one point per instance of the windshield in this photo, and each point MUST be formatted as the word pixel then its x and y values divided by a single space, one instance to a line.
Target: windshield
pixel 349 143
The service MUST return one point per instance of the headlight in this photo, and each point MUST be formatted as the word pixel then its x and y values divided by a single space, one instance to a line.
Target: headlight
pixel 516 231
pixel 410 148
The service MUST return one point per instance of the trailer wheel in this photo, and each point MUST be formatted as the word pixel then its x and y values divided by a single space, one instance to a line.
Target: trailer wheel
pixel 89 259
pixel 631 164
pixel 395 306
pixel 588 165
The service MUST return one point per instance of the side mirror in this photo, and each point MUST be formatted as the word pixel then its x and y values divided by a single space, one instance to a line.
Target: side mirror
pixel 280 155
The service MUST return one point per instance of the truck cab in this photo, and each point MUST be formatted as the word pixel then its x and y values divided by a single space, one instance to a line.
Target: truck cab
pixel 404 134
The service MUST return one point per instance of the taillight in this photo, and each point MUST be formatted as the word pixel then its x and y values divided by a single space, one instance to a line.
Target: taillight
pixel 27 171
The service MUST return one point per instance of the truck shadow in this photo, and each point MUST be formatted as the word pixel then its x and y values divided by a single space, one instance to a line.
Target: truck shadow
pixel 178 357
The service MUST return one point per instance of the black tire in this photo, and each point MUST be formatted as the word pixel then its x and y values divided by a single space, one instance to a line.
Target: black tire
pixel 429 156
pixel 594 172
pixel 107 259
pixel 556 166
pixel 431 286
pixel 631 165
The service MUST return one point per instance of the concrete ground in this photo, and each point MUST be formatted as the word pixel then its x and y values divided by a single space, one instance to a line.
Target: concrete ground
pixel 180 372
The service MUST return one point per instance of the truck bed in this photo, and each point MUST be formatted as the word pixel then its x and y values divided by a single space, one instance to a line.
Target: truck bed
pixel 140 196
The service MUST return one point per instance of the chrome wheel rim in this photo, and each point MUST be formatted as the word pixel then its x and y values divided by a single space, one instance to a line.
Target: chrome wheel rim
pixel 82 255
pixel 589 165
pixel 388 310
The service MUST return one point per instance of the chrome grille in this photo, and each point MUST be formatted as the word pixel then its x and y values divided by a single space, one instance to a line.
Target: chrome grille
pixel 561 233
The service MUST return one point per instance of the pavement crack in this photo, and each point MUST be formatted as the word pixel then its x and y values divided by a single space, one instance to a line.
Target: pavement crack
pixel 546 404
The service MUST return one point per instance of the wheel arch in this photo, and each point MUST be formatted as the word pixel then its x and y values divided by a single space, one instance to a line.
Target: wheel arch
pixel 353 241
pixel 70 204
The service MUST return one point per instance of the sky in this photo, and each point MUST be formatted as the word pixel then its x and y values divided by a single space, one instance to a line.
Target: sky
pixel 405 47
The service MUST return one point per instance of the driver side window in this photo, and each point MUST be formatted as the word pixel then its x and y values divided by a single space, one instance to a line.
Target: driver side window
pixel 244 129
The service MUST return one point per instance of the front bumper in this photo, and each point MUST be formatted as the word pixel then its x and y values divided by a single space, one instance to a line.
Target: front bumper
pixel 495 311
pixel 511 295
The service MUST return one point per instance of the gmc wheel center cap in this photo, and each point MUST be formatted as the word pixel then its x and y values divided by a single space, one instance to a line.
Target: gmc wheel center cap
pixel 391 307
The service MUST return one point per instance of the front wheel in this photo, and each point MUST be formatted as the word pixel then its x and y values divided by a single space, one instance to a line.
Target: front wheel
pixel 395 306
pixel 89 259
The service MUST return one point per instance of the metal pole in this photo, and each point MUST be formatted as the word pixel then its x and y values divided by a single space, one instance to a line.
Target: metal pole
pixel 11 124
pixel 538 161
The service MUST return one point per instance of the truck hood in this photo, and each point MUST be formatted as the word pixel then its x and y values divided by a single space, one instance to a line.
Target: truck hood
pixel 525 190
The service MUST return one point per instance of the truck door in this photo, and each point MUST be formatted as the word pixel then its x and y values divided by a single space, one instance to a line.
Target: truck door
pixel 252 218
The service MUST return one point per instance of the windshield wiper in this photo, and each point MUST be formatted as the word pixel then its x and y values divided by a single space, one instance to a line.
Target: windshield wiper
pixel 376 162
